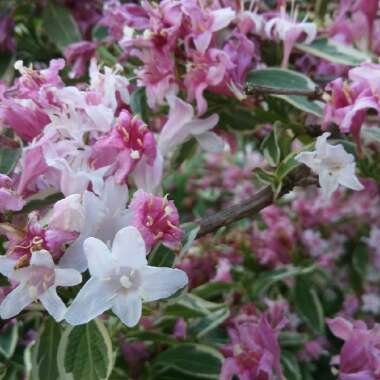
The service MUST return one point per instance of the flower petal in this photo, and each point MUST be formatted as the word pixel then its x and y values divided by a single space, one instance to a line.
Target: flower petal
pixel 7 266
pixel 67 277
pixel 42 258
pixel 53 304
pixel 128 308
pixel 94 298
pixel 328 182
pixel 348 178
pixel 17 300
pixel 128 248
pixel 99 257
pixel 161 282
pixel 210 142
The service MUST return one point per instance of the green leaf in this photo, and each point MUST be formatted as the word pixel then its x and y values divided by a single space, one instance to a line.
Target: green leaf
pixel 212 289
pixel 198 361
pixel 287 166
pixel 60 26
pixel 204 325
pixel 335 52
pixel 8 341
pixel 360 259
pixel 282 79
pixel 292 339
pixel 271 148
pixel 8 159
pixel 190 305
pixel 191 232
pixel 308 304
pixel 138 103
pixel 85 353
pixel 161 257
pixel 265 280
pixel 44 353
pixel 290 366
pixel 185 152
pixel 304 104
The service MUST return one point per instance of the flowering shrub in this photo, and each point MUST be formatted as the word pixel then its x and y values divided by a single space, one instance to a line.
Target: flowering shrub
pixel 189 189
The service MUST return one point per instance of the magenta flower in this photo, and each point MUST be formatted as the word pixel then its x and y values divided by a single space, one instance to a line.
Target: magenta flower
pixel 205 22
pixel 9 199
pixel 79 54
pixel 125 146
pixel 288 30
pixel 157 220
pixel 254 352
pixel 359 358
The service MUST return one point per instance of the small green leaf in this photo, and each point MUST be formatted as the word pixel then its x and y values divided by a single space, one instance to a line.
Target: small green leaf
pixel 271 148
pixel 290 366
pixel 314 107
pixel 212 289
pixel 138 103
pixel 335 52
pixel 8 159
pixel 161 257
pixel 204 325
pixel 8 341
pixel 308 304
pixel 286 166
pixel 85 353
pixel 60 26
pixel 198 361
pixel 44 353
pixel 265 280
pixel 280 79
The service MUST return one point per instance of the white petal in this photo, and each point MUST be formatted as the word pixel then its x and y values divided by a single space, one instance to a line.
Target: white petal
pixel 321 144
pixel 211 142
pixel 328 182
pixel 74 256
pixel 114 196
pixel 17 300
pixel 128 308
pixel 99 258
pixel 161 282
pixel 128 248
pixel 42 258
pixel 310 159
pixel 199 126
pixel 94 298
pixel 7 266
pixel 348 178
pixel 149 177
pixel 222 17
pixel 67 277
pixel 53 304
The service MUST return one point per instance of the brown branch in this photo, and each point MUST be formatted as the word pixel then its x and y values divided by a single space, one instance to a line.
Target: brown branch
pixel 253 205
pixel 254 89
pixel 256 203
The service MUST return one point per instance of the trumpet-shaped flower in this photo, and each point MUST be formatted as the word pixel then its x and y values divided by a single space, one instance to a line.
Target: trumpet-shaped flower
pixel 181 125
pixel 38 281
pixel 333 165
pixel 288 30
pixel 121 280
pixel 100 217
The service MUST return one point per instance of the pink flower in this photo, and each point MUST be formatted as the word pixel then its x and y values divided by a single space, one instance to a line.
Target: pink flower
pixel 254 352
pixel 9 199
pixel 348 106
pixel 157 220
pixel 288 30
pixel 205 22
pixel 182 125
pixel 360 355
pixel 125 146
pixel 79 54
pixel 22 243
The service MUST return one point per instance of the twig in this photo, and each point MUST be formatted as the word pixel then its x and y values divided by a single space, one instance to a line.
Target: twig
pixel 260 200
pixel 263 198
pixel 254 89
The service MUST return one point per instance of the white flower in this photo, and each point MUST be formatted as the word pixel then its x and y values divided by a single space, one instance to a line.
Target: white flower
pixel 38 281
pixel 181 126
pixel 102 217
pixel 333 165
pixel 121 280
